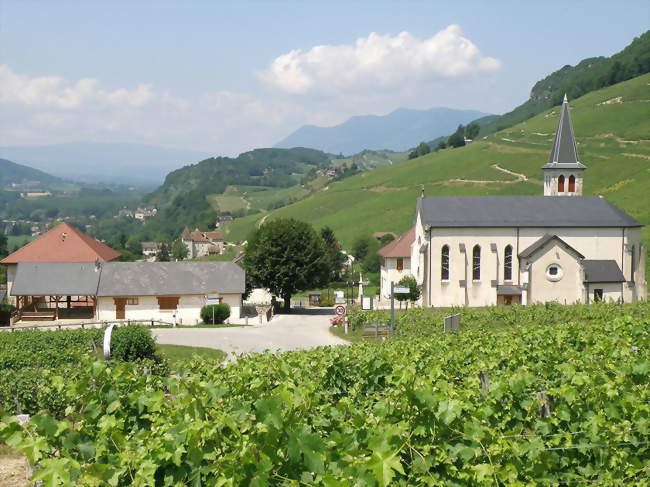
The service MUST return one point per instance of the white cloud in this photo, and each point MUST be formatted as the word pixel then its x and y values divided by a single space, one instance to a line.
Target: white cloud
pixel 55 92
pixel 378 61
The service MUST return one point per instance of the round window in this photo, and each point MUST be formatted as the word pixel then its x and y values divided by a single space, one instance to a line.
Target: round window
pixel 554 272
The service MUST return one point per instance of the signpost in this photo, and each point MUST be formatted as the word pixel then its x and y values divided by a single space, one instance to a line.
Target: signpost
pixel 213 297
pixel 340 310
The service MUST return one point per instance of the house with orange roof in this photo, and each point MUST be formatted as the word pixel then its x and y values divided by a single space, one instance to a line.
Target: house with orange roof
pixel 395 262
pixel 201 244
pixel 62 243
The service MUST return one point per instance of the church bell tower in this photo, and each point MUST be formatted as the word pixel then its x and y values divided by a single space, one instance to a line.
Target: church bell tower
pixel 563 171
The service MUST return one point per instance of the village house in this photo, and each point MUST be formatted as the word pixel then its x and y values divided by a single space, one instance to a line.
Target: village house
pixel 151 249
pixel 144 213
pixel 489 250
pixel 201 244
pixel 395 262
pixel 222 220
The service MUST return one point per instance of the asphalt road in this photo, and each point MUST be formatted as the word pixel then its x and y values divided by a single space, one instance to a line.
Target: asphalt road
pixel 302 329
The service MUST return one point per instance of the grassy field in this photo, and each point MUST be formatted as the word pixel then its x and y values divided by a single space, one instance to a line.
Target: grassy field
pixel 613 136
pixel 178 353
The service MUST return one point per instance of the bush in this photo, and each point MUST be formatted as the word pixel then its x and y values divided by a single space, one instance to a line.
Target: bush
pixel 220 312
pixel 131 343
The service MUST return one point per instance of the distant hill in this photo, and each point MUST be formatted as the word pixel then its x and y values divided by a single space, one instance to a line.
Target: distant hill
pixel 94 162
pixel 399 131
pixel 611 126
pixel 194 194
pixel 586 76
pixel 11 173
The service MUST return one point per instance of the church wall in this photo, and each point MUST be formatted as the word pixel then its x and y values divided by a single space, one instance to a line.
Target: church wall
pixel 477 292
pixel 593 243
pixel 611 291
pixel 566 288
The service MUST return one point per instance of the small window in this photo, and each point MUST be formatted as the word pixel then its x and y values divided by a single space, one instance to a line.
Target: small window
pixel 444 263
pixel 168 302
pixel 132 301
pixel 598 295
pixel 554 272
pixel 572 184
pixel 507 263
pixel 560 184
pixel 400 263
pixel 476 263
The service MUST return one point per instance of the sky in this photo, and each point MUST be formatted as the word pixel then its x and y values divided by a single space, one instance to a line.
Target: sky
pixel 225 77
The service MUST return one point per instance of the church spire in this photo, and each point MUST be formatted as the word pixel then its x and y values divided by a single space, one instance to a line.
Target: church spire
pixel 563 171
pixel 564 145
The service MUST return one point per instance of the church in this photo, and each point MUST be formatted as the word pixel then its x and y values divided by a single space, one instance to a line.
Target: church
pixel 501 250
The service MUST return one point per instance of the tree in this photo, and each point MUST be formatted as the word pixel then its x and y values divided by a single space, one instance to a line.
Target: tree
pixel 333 255
pixel 286 256
pixel 163 253
pixel 472 130
pixel 441 145
pixel 457 139
pixel 386 239
pixel 421 150
pixel 179 250
pixel 414 290
pixel 3 245
pixel 360 247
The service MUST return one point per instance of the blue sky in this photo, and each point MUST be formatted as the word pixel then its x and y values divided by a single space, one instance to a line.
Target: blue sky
pixel 225 77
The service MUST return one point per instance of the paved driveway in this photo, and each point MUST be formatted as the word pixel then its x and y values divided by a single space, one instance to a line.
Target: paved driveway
pixel 301 329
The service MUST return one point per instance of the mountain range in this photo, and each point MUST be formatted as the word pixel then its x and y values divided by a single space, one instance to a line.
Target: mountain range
pixel 12 173
pixel 94 162
pixel 399 130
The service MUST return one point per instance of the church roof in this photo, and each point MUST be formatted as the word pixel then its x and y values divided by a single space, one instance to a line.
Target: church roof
pixel 521 211
pixel 564 154
pixel 527 252
pixel 602 271
pixel 63 243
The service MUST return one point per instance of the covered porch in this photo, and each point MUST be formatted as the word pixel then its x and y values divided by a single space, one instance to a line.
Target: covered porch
pixel 47 291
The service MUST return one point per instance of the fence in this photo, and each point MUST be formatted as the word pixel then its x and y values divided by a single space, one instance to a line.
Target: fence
pixel 89 324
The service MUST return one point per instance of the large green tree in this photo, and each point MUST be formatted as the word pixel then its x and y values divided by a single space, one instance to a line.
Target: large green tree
pixel 179 250
pixel 333 255
pixel 457 139
pixel 163 253
pixel 286 256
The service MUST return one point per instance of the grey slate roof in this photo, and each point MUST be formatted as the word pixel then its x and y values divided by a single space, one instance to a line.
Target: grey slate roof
pixel 170 278
pixel 527 252
pixel 564 153
pixel 521 211
pixel 602 271
pixel 56 279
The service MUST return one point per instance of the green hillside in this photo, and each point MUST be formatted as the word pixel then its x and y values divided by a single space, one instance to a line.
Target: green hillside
pixel 612 127
pixel 11 173
pixel 586 76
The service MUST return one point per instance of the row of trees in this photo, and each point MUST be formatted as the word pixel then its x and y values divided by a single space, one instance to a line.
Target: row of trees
pixel 457 139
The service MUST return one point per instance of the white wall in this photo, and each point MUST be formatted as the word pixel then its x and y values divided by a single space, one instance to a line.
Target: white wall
pixel 389 273
pixel 566 288
pixel 11 277
pixel 593 243
pixel 187 313
pixel 611 291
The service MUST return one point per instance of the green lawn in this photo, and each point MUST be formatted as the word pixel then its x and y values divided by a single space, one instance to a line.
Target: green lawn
pixel 178 353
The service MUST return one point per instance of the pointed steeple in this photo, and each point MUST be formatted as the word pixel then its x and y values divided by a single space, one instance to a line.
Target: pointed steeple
pixel 564 145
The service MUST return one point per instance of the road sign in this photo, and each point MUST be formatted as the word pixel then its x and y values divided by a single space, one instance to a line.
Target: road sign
pixel 401 290
pixel 213 297
pixel 340 310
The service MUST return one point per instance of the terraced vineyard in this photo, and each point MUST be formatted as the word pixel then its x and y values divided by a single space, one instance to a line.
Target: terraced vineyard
pixel 542 395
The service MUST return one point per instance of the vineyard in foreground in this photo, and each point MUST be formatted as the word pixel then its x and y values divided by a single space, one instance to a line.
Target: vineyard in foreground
pixel 556 396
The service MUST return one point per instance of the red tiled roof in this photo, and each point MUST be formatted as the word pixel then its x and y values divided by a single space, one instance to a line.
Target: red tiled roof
pixel 400 247
pixel 63 243
pixel 199 236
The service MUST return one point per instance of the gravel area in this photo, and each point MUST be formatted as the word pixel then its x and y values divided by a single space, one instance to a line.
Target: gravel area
pixel 302 329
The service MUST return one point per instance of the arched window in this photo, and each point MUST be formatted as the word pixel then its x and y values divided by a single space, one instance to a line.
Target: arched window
pixel 476 263
pixel 444 263
pixel 560 184
pixel 507 263
pixel 572 184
